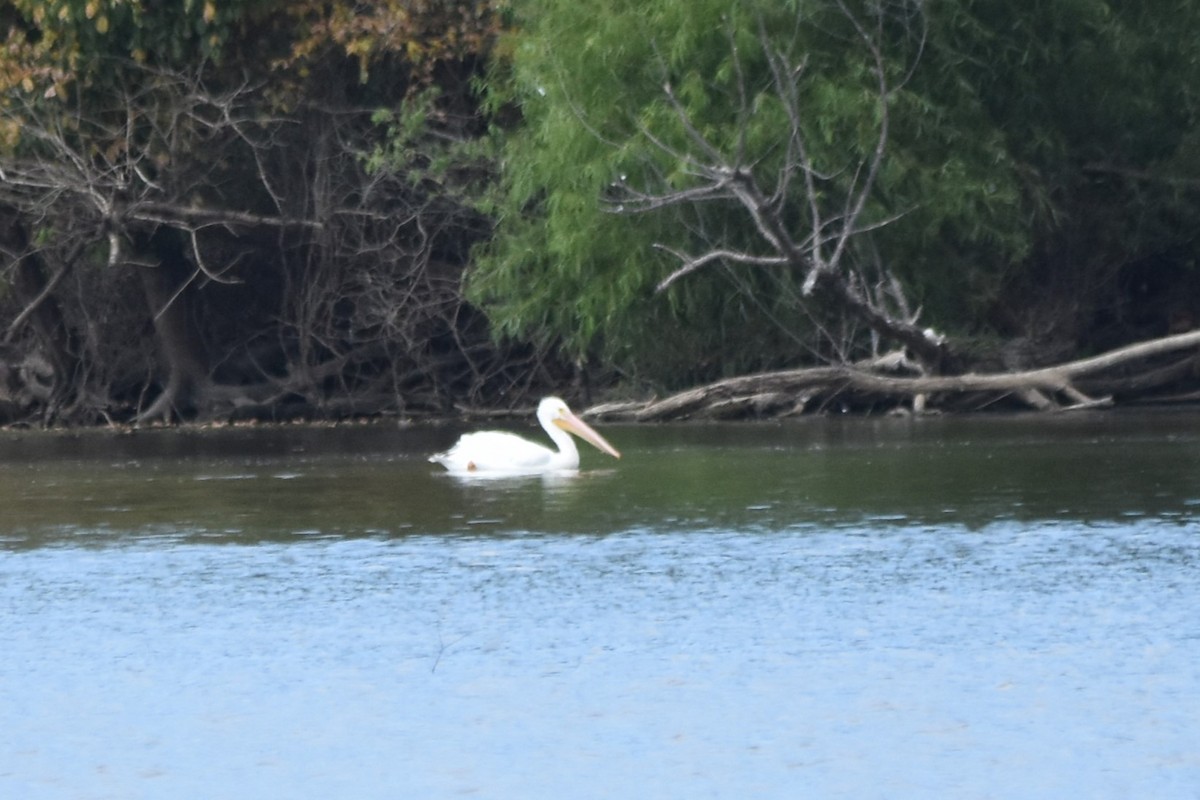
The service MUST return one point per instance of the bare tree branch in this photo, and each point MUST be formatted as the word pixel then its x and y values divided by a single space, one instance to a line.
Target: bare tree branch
pixel 47 291
pixel 691 264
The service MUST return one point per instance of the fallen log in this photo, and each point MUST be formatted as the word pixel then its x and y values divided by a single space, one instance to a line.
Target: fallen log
pixel 1055 387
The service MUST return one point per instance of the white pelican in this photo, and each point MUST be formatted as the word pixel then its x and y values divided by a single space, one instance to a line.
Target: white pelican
pixel 500 453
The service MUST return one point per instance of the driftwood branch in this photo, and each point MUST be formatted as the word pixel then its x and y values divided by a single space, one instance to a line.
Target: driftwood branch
pixel 790 391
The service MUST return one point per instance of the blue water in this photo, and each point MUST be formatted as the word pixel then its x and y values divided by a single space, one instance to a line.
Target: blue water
pixel 746 632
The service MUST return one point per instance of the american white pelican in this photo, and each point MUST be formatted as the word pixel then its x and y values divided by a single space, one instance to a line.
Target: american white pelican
pixel 501 453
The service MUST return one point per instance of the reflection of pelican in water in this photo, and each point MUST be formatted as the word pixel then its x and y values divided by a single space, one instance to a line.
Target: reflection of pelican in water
pixel 498 453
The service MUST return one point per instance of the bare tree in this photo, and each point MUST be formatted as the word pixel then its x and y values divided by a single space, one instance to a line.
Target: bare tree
pixel 126 182
pixel 275 269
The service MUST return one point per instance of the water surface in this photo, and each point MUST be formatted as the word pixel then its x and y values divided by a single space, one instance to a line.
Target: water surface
pixel 998 607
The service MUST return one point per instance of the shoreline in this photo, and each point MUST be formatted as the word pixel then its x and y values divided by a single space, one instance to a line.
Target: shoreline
pixel 602 413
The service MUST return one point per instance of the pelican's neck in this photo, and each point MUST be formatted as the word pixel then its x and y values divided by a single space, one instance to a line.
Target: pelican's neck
pixel 568 453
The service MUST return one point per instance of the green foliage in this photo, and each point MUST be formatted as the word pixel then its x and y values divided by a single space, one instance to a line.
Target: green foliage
pixel 589 83
pixel 420 141
pixel 76 31
pixel 1004 119
pixel 587 80
pixel 70 57
pixel 1094 104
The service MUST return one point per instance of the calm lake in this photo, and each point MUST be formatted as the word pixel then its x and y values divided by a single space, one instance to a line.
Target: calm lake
pixel 997 607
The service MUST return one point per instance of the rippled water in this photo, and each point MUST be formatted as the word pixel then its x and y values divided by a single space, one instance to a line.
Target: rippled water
pixel 833 608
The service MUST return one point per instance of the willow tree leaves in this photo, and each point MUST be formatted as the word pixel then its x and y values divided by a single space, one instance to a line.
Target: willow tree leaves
pixel 1026 143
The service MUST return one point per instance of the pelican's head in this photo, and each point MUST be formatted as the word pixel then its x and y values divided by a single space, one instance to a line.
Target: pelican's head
pixel 553 411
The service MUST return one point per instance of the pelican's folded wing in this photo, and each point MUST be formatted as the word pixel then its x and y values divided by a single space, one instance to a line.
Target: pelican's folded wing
pixel 494 451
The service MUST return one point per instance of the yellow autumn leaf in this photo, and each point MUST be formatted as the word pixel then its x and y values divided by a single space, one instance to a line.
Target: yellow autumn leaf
pixel 210 11
pixel 10 133
pixel 90 9
pixel 102 24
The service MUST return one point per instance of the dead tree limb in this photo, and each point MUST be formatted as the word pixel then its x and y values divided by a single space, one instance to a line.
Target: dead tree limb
pixel 771 392
pixel 47 291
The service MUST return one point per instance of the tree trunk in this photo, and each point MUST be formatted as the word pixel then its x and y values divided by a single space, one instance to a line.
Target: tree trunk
pixel 167 290
pixel 54 351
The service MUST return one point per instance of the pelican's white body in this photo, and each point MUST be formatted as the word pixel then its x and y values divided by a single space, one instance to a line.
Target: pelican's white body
pixel 499 453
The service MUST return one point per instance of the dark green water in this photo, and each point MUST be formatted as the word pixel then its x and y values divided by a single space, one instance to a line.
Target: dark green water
pixel 987 607
pixel 246 485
